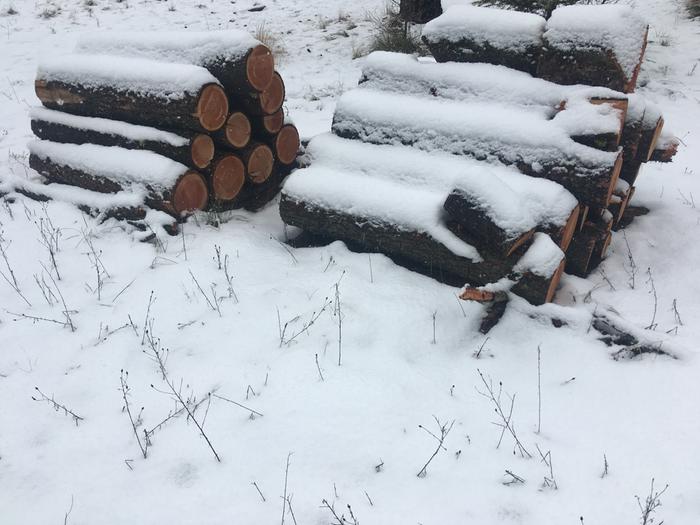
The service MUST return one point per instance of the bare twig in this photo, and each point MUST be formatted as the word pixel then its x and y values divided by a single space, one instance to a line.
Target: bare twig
pixel 444 431
pixel 213 305
pixel 58 407
pixel 238 404
pixel 258 489
pixel 124 389
pixel 286 477
pixel 650 504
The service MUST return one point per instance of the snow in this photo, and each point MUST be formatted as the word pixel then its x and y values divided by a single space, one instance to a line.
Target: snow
pixel 493 130
pixel 137 75
pixel 107 126
pixel 118 164
pixel 542 258
pixel 471 82
pixel 497 27
pixel 614 27
pixel 199 48
pixel 516 202
pixel 583 118
pixel 638 413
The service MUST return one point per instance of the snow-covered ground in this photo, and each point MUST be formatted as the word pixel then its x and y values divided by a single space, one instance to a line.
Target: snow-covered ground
pixel 410 351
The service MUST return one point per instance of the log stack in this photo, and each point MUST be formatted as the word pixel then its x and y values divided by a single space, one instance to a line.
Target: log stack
pixel 589 52
pixel 188 121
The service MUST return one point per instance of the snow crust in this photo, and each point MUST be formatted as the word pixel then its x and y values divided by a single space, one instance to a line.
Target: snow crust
pixel 497 27
pixel 515 202
pixel 137 75
pixel 614 27
pixel 199 48
pixel 542 258
pixel 118 164
pixel 512 133
pixel 107 126
pixel 471 82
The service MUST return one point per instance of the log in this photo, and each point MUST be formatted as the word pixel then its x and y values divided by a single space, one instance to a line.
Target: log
pixel 285 145
pixel 477 225
pixel 536 147
pixel 267 102
pixel 580 257
pixel 266 126
pixel 493 314
pixel 599 45
pixel 259 162
pixel 539 289
pixel 236 133
pixel 240 62
pixel 602 136
pixel 665 152
pixel 172 96
pixel 563 234
pixel 166 185
pixel 538 271
pixel 253 197
pixel 494 36
pixel 419 11
pixel 479 295
pixel 226 177
pixel 191 149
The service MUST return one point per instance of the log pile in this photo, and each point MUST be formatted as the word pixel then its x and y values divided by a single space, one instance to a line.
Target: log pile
pixel 480 174
pixel 185 121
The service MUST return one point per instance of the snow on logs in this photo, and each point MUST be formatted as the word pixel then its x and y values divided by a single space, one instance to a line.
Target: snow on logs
pixel 600 45
pixel 477 34
pixel 210 101
pixel 164 184
pixel 482 131
pixel 403 214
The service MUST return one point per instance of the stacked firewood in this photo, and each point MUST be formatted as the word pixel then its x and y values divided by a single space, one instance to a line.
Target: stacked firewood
pixel 184 121
pixel 474 172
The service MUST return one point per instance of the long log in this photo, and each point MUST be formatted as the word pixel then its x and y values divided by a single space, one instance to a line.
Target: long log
pixel 236 133
pixel 188 148
pixel 535 146
pixel 166 185
pixel 599 45
pixel 240 62
pixel 172 96
pixel 267 102
pixel 494 36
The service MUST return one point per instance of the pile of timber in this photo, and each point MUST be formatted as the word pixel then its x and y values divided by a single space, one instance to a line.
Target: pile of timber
pixel 185 121
pixel 582 51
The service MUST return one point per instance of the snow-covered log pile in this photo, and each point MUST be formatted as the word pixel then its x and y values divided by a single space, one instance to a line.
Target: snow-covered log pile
pixel 186 120
pixel 600 45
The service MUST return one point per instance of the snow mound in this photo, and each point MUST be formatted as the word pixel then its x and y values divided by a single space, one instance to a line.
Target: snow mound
pixel 542 258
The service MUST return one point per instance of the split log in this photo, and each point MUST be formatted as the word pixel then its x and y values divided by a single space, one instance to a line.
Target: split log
pixel 166 185
pixel 494 313
pixel 599 45
pixel 539 289
pixel 477 225
pixel 650 136
pixel 631 213
pixel 240 62
pixel 226 177
pixel 605 223
pixel 596 131
pixel 580 255
pixel 665 151
pixel 419 11
pixel 236 133
pixel 479 295
pixel 536 147
pixel 259 162
pixel 494 36
pixel 267 102
pixel 173 96
pixel 563 234
pixel 538 271
pixel 285 145
pixel 265 126
pixel 191 149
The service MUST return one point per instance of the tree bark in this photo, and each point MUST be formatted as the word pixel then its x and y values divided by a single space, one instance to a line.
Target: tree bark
pixel 538 289
pixel 204 111
pixel 196 149
pixel 419 11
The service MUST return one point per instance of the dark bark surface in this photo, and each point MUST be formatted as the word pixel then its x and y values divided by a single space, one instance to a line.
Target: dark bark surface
pixel 466 50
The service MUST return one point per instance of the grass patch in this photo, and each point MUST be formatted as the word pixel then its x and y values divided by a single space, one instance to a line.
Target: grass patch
pixel 393 34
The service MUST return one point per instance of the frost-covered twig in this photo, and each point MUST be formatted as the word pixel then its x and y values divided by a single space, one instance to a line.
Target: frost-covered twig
pixel 284 497
pixel 213 303
pixel 650 504
pixel 124 389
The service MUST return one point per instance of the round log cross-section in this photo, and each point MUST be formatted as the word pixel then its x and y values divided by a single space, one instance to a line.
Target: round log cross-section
pixel 272 98
pixel 237 130
pixel 268 125
pixel 202 150
pixel 286 144
pixel 227 178
pixel 260 67
pixel 259 161
pixel 190 193
pixel 212 107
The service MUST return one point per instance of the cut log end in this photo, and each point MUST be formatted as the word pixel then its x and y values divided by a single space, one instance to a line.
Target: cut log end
pixel 260 162
pixel 554 282
pixel 272 98
pixel 228 178
pixel 617 168
pixel 202 151
pixel 238 130
pixel 212 107
pixel 287 144
pixel 190 194
pixel 260 68
pixel 273 123
pixel 654 139
pixel 567 233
